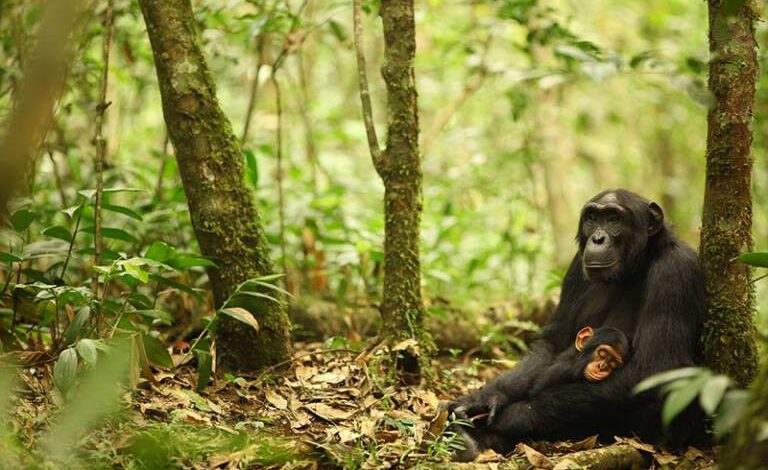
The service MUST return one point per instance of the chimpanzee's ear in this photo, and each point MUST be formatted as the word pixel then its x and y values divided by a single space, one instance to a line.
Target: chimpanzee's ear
pixel 656 220
pixel 582 337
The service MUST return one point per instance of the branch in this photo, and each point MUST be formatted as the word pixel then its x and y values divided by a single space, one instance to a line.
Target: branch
pixel 101 146
pixel 365 94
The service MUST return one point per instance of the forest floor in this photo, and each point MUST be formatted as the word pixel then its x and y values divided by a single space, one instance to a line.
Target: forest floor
pixel 326 408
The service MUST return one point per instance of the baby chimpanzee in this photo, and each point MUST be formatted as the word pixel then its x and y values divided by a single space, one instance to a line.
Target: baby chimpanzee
pixel 595 355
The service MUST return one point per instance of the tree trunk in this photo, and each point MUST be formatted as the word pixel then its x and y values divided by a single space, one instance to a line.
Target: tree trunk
pixel 402 309
pixel 222 211
pixel 745 448
pixel 728 339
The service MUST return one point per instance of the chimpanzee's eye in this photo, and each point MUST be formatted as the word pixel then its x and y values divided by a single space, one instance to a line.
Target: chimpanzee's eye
pixel 613 218
pixel 590 217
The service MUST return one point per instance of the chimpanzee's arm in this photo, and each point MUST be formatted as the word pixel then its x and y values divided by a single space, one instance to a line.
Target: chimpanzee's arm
pixel 516 383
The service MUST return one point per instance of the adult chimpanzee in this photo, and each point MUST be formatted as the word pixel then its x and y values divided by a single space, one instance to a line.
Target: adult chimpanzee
pixel 594 357
pixel 630 273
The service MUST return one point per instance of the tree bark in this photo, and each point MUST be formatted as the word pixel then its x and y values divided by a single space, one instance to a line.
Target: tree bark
pixel 728 339
pixel 399 167
pixel 402 308
pixel 225 220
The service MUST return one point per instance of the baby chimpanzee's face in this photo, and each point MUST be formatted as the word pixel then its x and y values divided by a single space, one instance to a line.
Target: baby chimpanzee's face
pixel 606 348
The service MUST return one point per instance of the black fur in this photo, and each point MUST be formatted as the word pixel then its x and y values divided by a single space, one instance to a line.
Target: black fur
pixel 569 365
pixel 654 295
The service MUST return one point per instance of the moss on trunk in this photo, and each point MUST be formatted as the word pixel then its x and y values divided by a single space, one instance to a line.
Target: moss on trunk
pixel 728 339
pixel 223 214
pixel 402 308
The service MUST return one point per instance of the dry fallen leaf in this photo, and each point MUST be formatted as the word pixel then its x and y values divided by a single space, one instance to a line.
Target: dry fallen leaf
pixel 300 419
pixel 693 453
pixel 487 456
pixel 585 444
pixel 333 378
pixel 276 400
pixel 536 458
pixel 664 458
pixel 327 412
pixel 409 343
pixel 636 444
pixel 567 464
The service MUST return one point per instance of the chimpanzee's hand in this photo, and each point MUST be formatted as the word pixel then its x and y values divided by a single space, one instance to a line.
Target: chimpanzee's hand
pixel 481 405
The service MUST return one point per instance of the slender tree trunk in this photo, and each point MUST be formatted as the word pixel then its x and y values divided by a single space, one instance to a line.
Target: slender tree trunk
pixel 223 214
pixel 399 166
pixel 402 309
pixel 728 339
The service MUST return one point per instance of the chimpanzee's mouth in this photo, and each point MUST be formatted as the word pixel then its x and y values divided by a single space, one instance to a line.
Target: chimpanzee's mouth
pixel 601 265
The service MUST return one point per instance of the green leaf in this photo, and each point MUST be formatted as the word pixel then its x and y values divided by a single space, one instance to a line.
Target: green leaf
pixel 65 370
pixel 72 211
pixel 666 377
pixel 164 317
pixel 680 398
pixel 9 258
pixel 76 325
pixel 22 219
pixel 159 251
pixel 118 234
pixel 136 272
pixel 758 258
pixel 57 231
pixel 122 210
pixel 156 352
pixel 712 393
pixel 184 262
pixel 242 315
pixel 87 350
pixel 257 295
pixel 204 368
pixel 252 167
pixel 730 411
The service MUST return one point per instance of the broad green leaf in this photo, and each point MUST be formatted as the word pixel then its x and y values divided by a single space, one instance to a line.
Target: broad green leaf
pixel 9 258
pixel 72 211
pixel 164 317
pixel 98 395
pixel 57 231
pixel 184 261
pixel 257 295
pixel 730 411
pixel 65 370
pixel 156 352
pixel 712 393
pixel 252 167
pixel 159 251
pixel 242 315
pixel 679 399
pixel 176 285
pixel 118 234
pixel 666 377
pixel 122 210
pixel 22 219
pixel 204 368
pixel 137 272
pixel 76 325
pixel 86 348
pixel 757 258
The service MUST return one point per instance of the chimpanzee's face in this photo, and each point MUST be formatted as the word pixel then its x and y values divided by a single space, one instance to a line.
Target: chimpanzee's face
pixel 614 232
pixel 605 224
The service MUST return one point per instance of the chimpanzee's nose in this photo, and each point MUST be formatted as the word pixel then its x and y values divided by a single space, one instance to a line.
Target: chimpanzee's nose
pixel 598 238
